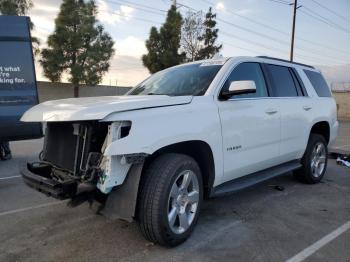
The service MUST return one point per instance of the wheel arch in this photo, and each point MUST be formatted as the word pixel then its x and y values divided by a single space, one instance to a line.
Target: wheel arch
pixel 322 128
pixel 122 202
pixel 200 151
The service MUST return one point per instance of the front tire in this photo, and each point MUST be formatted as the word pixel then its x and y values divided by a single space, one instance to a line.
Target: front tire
pixel 314 161
pixel 170 199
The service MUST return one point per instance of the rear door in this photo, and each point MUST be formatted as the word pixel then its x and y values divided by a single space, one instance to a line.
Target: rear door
pixel 250 125
pixel 295 107
pixel 18 91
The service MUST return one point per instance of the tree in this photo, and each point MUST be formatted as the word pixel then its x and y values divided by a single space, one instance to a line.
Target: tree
pixel 163 45
pixel 79 46
pixel 209 37
pixel 15 7
pixel 192 30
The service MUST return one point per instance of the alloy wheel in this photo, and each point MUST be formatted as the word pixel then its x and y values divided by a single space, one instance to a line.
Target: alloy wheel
pixel 318 159
pixel 183 201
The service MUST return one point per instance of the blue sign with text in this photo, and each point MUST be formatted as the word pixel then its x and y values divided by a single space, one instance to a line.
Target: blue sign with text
pixel 18 90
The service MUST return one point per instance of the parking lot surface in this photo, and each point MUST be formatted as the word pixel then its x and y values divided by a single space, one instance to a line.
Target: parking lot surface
pixel 257 224
pixel 342 143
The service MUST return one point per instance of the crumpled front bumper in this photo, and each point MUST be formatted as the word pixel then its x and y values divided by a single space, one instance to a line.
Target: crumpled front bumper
pixel 46 184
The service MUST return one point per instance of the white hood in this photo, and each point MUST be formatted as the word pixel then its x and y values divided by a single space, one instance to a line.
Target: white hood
pixel 96 108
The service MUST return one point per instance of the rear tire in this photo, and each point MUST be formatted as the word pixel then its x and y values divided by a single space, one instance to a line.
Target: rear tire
pixel 314 161
pixel 170 198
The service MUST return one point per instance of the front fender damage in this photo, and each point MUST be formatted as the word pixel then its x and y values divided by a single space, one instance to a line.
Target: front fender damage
pixel 115 167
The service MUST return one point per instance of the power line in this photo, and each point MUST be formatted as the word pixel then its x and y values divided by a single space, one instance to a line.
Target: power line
pixel 307 13
pixel 331 11
pixel 250 19
pixel 139 5
pixel 268 37
pixel 277 30
pixel 280 2
pixel 227 34
pixel 325 20
pixel 271 48
pixel 316 16
pixel 252 31
pixel 252 42
pixel 314 60
pixel 236 37
pixel 317 61
pixel 126 3
pixel 186 6
pixel 332 48
pixel 128 16
pixel 262 35
pixel 240 47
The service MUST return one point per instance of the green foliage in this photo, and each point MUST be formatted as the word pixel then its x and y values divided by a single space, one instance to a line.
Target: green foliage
pixel 163 45
pixel 209 37
pixel 79 46
pixel 15 7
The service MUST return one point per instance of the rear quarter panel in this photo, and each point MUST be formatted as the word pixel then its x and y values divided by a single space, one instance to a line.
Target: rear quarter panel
pixel 323 108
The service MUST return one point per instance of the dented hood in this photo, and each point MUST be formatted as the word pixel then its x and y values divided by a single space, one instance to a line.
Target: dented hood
pixel 96 108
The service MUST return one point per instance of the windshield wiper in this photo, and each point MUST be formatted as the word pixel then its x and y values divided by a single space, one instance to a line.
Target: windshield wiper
pixel 154 94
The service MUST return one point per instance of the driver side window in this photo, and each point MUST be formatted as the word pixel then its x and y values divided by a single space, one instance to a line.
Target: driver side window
pixel 248 71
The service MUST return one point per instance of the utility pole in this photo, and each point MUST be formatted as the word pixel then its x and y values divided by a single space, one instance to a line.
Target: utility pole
pixel 174 3
pixel 293 30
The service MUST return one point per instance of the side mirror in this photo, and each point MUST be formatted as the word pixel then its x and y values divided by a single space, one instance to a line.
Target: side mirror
pixel 239 88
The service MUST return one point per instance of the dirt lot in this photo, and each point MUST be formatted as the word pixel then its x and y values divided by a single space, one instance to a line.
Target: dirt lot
pixel 258 224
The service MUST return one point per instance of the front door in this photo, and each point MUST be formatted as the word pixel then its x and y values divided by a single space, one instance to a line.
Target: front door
pixel 250 125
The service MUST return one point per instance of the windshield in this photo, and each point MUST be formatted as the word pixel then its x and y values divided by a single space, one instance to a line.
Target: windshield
pixel 191 79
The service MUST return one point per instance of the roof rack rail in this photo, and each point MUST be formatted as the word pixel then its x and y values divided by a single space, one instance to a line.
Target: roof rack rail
pixel 283 60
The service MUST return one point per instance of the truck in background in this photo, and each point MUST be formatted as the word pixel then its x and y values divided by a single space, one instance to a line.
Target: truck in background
pixel 18 89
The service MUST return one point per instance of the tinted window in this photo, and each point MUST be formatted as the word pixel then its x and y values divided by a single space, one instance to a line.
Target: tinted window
pixel 248 71
pixel 298 83
pixel 319 84
pixel 191 79
pixel 282 81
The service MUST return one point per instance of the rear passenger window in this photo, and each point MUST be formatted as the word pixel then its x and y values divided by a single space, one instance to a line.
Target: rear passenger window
pixel 318 83
pixel 282 81
pixel 248 71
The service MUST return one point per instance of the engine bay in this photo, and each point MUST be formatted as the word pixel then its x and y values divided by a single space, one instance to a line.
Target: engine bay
pixel 74 147
pixel 70 161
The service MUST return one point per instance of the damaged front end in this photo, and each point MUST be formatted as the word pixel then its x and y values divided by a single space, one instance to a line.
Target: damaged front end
pixel 73 163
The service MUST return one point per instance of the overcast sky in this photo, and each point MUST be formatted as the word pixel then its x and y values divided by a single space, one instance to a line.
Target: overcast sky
pixel 247 27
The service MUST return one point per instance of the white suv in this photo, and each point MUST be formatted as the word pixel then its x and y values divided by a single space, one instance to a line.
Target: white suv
pixel 189 132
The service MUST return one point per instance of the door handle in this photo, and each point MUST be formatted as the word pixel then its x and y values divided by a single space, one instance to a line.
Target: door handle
pixel 307 108
pixel 271 111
